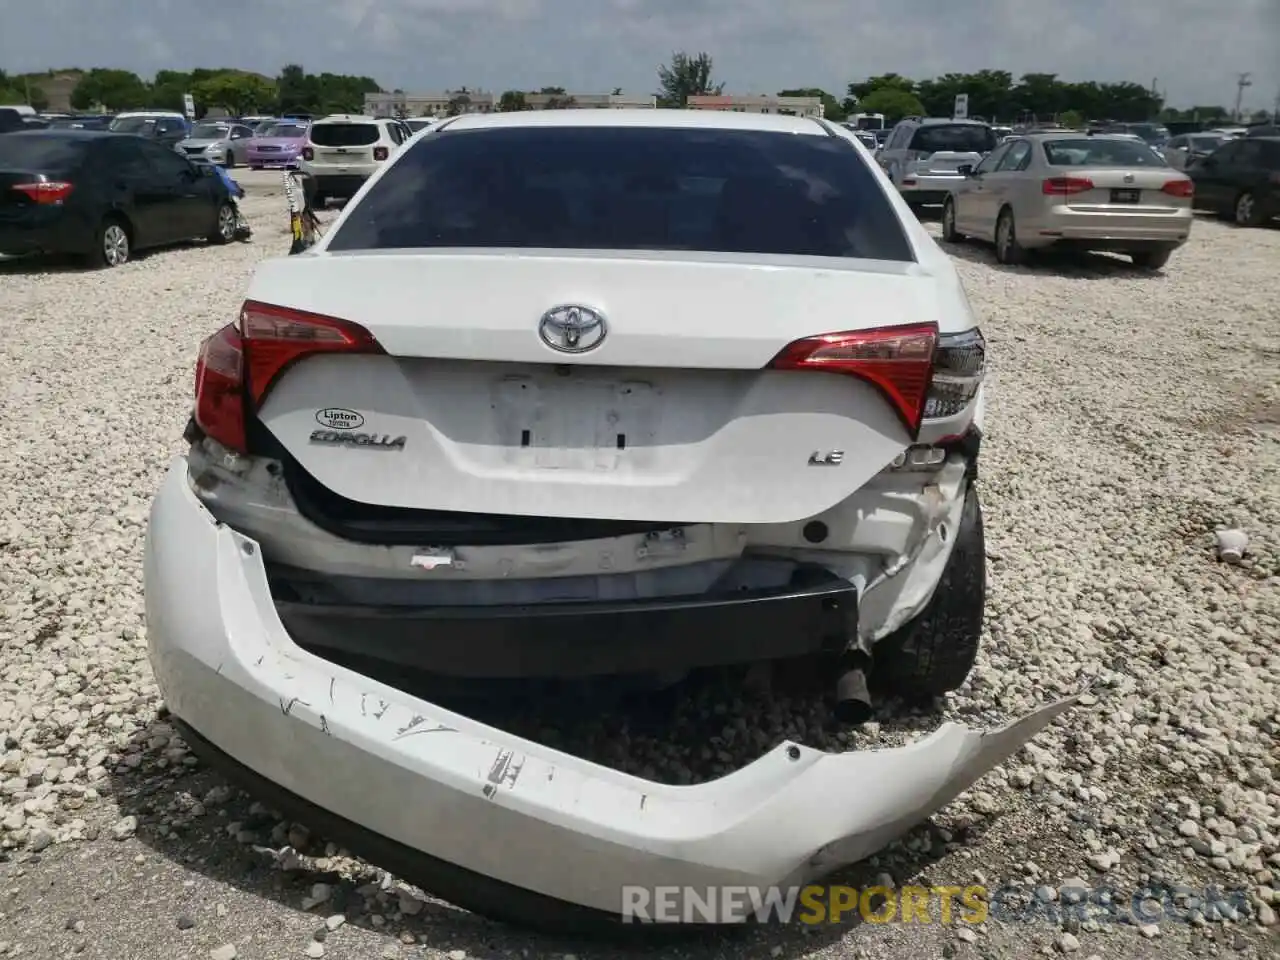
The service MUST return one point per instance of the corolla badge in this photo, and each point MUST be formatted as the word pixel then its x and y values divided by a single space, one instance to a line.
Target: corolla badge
pixel 572 328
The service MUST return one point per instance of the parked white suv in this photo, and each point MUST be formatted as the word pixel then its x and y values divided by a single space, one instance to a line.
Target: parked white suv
pixel 923 156
pixel 691 389
pixel 345 150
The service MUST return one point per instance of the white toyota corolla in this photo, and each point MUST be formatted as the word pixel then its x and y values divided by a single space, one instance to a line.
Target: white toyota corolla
pixel 688 389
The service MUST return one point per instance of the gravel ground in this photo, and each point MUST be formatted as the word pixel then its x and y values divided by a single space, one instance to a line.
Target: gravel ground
pixel 1131 415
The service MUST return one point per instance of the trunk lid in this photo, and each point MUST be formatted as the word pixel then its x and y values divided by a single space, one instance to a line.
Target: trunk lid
pixel 1114 190
pixel 672 418
pixel 945 162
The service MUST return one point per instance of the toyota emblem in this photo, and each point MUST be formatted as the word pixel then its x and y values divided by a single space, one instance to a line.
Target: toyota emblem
pixel 572 328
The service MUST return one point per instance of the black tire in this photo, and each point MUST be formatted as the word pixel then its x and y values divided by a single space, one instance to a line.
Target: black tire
pixel 112 243
pixel 224 226
pixel 949 232
pixel 1008 250
pixel 1247 210
pixel 933 653
pixel 1151 259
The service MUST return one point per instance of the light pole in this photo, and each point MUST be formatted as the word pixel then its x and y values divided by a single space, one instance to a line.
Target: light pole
pixel 1244 80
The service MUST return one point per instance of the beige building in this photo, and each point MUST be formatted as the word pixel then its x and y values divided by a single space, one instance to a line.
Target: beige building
pixel 439 104
pixel 589 101
pixel 738 103
pixel 428 104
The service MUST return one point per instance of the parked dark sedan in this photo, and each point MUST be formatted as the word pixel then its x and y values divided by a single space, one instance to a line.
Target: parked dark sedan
pixel 104 195
pixel 1240 180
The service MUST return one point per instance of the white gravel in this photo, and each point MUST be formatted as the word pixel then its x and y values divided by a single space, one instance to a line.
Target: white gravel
pixel 1131 417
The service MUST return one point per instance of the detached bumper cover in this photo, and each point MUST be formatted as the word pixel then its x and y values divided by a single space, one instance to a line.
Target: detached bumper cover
pixel 529 817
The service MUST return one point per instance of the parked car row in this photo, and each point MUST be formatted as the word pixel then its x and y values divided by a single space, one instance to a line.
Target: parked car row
pixel 1126 188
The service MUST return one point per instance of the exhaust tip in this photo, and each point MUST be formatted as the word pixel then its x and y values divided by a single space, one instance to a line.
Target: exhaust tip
pixel 853 700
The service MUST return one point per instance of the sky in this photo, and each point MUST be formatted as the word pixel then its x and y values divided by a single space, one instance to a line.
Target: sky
pixel 1194 48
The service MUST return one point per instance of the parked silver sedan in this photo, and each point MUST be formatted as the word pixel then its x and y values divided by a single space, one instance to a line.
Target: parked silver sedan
pixel 1183 149
pixel 1064 189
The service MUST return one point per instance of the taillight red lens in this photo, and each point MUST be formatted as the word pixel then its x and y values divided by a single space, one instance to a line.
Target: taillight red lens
pixel 220 388
pixel 308 153
pixel 47 193
pixel 896 360
pixel 380 153
pixel 239 364
pixel 1179 188
pixel 1065 186
pixel 277 337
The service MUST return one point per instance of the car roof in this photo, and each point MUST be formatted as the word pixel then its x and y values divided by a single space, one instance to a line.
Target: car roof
pixel 948 121
pixel 150 113
pixel 69 133
pixel 351 118
pixel 637 117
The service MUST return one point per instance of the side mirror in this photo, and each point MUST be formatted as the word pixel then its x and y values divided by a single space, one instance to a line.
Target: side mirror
pixel 965 169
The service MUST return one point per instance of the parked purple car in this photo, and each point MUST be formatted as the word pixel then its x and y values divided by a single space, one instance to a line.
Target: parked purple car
pixel 279 145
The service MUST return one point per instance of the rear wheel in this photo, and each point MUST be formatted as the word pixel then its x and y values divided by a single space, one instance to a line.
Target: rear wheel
pixel 112 245
pixel 949 232
pixel 1248 212
pixel 933 653
pixel 224 230
pixel 1151 259
pixel 1008 250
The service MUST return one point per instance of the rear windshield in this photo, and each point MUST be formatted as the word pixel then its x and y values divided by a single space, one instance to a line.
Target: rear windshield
pixel 1207 143
pixel 41 154
pixel 292 130
pixel 630 188
pixel 1099 152
pixel 954 137
pixel 344 134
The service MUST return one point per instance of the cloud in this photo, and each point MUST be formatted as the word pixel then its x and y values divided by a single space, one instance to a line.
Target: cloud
pixel 1193 48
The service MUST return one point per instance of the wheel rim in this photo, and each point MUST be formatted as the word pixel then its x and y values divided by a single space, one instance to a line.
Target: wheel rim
pixel 226 223
pixel 115 245
pixel 1244 208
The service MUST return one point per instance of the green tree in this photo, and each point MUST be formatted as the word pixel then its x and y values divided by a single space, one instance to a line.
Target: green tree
pixel 458 104
pixel 237 93
pixel 894 102
pixel 831 107
pixel 686 76
pixel 553 91
pixel 168 88
pixel 1072 119
pixel 561 103
pixel 512 101
pixel 113 89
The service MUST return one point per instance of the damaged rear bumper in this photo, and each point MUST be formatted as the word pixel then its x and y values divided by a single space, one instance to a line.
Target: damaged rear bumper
pixel 488 820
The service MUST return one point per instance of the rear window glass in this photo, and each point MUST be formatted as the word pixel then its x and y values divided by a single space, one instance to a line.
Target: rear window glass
pixel 1098 152
pixel 630 188
pixel 344 134
pixel 43 154
pixel 955 138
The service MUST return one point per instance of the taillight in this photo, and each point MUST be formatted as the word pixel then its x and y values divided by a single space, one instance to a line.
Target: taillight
pixel 1065 186
pixel 896 360
pixel 275 338
pixel 46 193
pixel 923 374
pixel 1179 188
pixel 240 363
pixel 308 153
pixel 220 388
pixel 380 153
pixel 959 364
